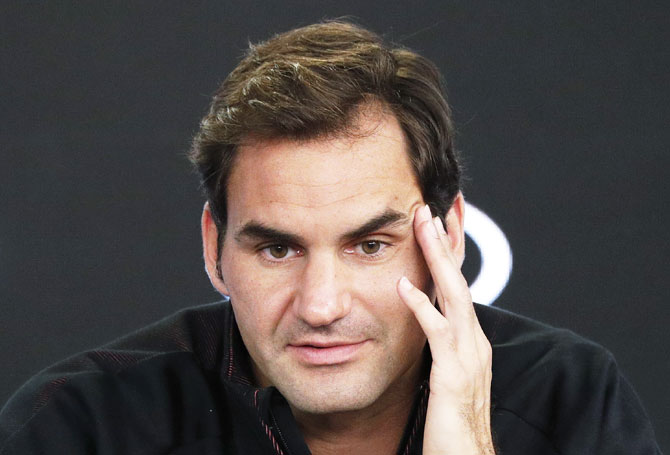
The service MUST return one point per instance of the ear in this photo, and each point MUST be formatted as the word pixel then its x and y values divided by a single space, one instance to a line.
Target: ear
pixel 210 246
pixel 456 228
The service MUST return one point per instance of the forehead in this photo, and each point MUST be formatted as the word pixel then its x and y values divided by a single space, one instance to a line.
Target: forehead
pixel 347 176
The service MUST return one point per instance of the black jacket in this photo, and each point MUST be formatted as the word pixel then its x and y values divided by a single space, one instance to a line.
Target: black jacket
pixel 183 386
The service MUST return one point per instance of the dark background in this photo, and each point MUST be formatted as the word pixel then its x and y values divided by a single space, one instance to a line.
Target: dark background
pixel 562 109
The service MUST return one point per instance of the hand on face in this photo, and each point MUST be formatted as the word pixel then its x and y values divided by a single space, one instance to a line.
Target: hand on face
pixel 459 406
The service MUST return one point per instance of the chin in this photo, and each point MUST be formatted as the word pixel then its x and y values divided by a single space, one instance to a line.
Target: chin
pixel 328 404
pixel 328 397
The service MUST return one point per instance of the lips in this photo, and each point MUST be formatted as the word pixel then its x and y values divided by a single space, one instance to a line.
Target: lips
pixel 318 353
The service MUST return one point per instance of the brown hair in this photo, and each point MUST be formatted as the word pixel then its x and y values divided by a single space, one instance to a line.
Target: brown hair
pixel 308 83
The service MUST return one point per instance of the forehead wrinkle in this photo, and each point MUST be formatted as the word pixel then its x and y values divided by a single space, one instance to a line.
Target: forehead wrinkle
pixel 340 180
pixel 317 205
pixel 315 201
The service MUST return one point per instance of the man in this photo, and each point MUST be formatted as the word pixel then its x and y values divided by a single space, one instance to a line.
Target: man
pixel 334 223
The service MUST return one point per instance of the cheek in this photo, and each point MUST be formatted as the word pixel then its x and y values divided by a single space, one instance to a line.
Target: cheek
pixel 378 285
pixel 249 294
pixel 410 263
pixel 259 297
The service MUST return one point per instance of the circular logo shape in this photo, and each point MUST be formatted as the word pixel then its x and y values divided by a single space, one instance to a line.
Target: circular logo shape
pixel 495 252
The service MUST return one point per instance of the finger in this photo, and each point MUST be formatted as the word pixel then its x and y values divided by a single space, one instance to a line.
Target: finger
pixel 444 239
pixel 474 352
pixel 453 292
pixel 449 281
pixel 449 355
pixel 434 325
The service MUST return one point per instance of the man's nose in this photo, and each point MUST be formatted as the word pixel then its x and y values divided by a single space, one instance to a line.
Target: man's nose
pixel 322 298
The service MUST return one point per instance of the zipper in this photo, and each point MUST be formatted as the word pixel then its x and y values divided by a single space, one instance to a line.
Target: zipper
pixel 281 436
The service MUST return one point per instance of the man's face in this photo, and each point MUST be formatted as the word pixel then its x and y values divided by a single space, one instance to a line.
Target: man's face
pixel 318 235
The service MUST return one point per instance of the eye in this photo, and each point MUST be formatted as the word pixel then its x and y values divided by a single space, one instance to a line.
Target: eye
pixel 371 246
pixel 369 249
pixel 279 252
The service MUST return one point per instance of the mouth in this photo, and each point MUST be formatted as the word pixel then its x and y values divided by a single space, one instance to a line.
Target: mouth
pixel 325 353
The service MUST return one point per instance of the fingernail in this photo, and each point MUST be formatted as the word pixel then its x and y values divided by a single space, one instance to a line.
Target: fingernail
pixel 433 228
pixel 425 212
pixel 405 284
pixel 425 215
pixel 438 224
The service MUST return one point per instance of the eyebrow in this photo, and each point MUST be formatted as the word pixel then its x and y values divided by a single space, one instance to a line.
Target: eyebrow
pixel 388 218
pixel 255 230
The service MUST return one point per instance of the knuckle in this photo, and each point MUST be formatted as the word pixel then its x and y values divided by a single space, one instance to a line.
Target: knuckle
pixel 442 329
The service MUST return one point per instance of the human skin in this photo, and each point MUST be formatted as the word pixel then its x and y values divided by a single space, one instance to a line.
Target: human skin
pixel 458 419
pixel 315 288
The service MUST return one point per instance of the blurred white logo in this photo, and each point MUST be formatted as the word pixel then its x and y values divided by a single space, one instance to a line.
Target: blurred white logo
pixel 495 252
